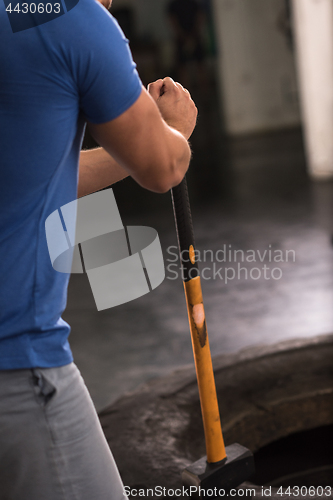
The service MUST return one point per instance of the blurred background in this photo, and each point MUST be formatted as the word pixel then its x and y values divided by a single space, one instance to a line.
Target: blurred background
pixel 260 182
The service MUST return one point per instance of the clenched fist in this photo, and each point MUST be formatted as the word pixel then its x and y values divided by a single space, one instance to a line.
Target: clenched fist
pixel 175 104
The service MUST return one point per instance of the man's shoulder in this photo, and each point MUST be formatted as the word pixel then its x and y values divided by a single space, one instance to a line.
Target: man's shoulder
pixel 83 37
pixel 90 7
pixel 88 16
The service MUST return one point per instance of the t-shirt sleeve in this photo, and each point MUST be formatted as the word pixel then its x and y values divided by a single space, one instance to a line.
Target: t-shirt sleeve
pixel 105 73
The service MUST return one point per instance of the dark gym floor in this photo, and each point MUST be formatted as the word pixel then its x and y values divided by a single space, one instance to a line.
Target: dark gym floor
pixel 250 194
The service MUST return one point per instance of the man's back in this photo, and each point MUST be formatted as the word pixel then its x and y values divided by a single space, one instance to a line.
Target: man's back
pixel 53 77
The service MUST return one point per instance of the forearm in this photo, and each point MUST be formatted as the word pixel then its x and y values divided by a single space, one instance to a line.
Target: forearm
pixel 149 140
pixel 97 170
pixel 174 155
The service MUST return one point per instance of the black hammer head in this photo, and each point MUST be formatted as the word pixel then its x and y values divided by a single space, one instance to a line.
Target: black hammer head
pixel 222 476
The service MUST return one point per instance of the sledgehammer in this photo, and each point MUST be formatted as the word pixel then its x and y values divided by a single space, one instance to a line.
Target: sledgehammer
pixel 223 468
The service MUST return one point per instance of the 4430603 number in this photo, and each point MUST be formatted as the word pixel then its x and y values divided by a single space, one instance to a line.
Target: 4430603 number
pixel 303 491
pixel 34 8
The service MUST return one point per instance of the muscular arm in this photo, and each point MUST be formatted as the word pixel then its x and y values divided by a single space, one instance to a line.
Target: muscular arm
pixel 151 148
pixel 97 169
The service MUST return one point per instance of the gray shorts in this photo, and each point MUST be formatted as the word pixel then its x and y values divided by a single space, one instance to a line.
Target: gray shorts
pixel 52 446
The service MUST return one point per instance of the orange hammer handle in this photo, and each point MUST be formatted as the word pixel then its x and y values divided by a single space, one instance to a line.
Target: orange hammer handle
pixel 215 448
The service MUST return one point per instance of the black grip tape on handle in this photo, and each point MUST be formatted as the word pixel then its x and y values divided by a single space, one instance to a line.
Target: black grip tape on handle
pixel 184 227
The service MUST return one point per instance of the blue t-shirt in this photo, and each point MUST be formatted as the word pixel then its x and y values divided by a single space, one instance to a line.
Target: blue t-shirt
pixel 53 78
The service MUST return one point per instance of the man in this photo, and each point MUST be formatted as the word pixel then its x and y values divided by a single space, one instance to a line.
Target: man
pixel 55 77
